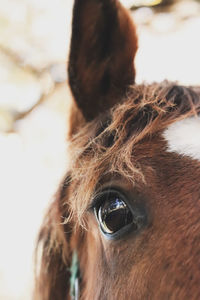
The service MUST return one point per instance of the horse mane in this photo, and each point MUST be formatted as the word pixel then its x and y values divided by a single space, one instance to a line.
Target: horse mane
pixel 105 145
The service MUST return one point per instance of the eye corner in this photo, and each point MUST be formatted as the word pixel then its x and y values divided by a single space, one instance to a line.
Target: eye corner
pixel 95 202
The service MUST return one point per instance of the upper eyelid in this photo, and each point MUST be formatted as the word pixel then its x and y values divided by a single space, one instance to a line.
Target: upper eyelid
pixel 99 193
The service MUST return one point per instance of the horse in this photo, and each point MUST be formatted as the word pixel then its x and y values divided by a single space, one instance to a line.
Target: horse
pixel 125 221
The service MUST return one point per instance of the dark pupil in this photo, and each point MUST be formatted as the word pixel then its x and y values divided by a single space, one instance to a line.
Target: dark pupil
pixel 114 214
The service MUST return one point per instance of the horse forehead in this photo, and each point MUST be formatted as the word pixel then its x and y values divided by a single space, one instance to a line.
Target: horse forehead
pixel 183 137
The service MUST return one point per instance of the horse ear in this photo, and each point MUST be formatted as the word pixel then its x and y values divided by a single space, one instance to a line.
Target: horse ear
pixel 53 253
pixel 101 61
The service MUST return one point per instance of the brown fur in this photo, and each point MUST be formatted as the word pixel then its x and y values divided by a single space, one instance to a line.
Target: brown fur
pixel 121 145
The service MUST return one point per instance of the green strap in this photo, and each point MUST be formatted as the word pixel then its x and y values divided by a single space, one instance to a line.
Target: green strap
pixel 74 278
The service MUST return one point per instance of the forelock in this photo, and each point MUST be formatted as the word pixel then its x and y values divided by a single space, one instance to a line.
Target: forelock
pixel 105 145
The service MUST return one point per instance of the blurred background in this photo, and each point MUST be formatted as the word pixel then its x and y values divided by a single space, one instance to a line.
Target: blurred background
pixel 34 102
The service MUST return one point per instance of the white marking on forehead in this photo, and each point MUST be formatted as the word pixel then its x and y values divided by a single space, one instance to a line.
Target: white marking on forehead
pixel 183 137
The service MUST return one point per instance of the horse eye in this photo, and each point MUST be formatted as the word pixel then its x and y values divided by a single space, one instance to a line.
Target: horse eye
pixel 113 213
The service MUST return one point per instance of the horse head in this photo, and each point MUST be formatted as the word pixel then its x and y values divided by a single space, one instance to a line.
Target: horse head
pixel 125 223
